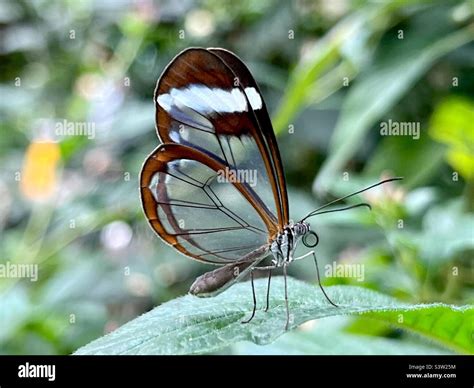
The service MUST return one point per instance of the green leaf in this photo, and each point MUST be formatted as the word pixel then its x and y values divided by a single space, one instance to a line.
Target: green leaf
pixel 191 325
pixel 417 161
pixel 15 309
pixel 447 232
pixel 378 90
pixel 451 124
pixel 336 58
pixel 327 337
pixel 320 73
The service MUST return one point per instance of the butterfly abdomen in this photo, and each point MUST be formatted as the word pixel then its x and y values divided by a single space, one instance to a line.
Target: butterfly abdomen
pixel 213 282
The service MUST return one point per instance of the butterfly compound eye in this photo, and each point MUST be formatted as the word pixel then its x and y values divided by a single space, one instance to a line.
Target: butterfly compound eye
pixel 310 239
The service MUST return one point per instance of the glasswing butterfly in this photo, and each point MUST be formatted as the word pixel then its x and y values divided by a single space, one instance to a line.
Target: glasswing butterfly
pixel 215 188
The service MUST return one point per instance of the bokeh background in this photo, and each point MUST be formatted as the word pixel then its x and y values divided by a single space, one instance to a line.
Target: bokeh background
pixel 332 72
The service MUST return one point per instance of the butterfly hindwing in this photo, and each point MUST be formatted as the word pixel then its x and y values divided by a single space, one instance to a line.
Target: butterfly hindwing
pixel 191 209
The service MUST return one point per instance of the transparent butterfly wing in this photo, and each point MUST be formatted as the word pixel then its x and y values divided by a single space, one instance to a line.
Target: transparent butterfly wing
pixel 195 211
pixel 202 103
pixel 214 189
pixel 247 82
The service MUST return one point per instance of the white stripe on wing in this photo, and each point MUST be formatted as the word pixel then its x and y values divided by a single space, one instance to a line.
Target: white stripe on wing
pixel 208 101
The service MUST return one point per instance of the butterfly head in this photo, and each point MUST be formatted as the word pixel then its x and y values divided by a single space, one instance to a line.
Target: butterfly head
pixel 284 245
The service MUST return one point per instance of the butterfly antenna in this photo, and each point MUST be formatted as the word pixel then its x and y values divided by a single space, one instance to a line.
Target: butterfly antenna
pixel 318 210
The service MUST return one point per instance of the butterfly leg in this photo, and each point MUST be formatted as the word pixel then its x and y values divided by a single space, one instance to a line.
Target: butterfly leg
pixel 268 290
pixel 319 280
pixel 304 256
pixel 268 268
pixel 317 272
pixel 286 296
pixel 254 299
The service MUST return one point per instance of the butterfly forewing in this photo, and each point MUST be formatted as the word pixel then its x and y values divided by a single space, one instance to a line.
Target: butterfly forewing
pixel 265 125
pixel 201 102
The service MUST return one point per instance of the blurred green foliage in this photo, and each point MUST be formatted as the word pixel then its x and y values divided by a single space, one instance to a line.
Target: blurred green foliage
pixel 452 125
pixel 331 72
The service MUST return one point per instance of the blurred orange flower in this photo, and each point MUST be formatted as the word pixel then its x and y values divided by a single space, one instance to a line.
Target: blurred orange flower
pixel 39 178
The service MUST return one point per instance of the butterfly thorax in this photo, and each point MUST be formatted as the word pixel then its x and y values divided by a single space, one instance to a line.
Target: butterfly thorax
pixel 284 245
